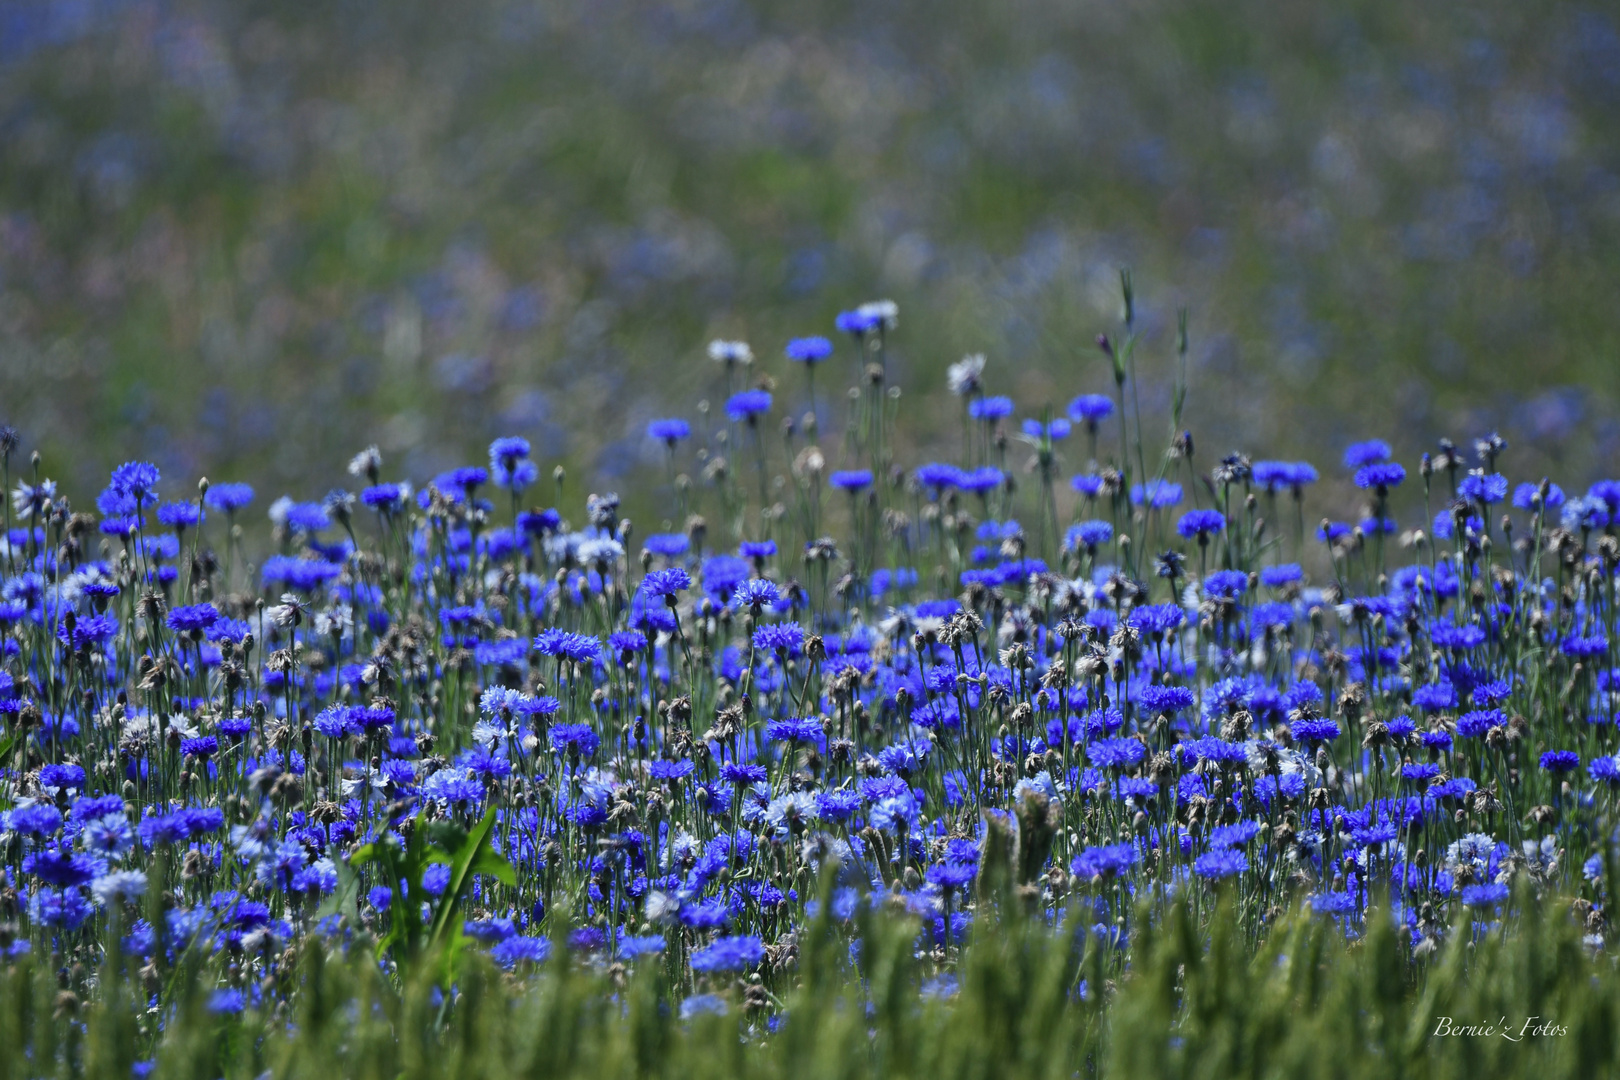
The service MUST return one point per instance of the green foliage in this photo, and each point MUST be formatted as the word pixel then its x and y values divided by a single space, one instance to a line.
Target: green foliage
pixel 1032 1003
pixel 409 940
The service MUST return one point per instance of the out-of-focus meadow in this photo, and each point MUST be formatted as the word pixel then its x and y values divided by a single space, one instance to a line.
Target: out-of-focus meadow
pixel 250 238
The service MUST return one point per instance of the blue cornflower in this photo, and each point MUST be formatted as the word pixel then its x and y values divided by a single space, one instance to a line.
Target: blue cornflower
pixel 336 722
pixel 1332 531
pixel 1273 476
pixel 626 643
pixel 757 593
pixel 748 405
pixel 950 876
pixel 631 946
pixel 1472 725
pixel 87 632
pixel 1585 513
pixel 1604 770
pixel 1056 431
pixel 729 954
pixel 722 574
pixel 203 746
pixel 1275 577
pixel 851 480
pixel 1226 584
pixel 1371 452
pixel 857 322
pixel 1223 863
pixel 1529 497
pixel 779 637
pixel 575 739
pixel 938 476
pixel 1433 697
pixel 60 867
pixel 837 805
pixel 1483 488
pixel 981 480
pixel 512 473
pixel 1210 748
pixel 138 479
pixel 1157 494
pixel 118 886
pixel 668 545
pixel 1090 409
pixel 1560 761
pixel 1267 616
pixel 37 819
pixel 1314 730
pixel 1108 861
pixel 666 583
pixel 1156 619
pixel 1166 700
pixel 1087 484
pixel 990 408
pixel 742 774
pixel 1115 753
pixel 508 451
pixel 805 730
pixel 1090 535
pixel 1584 647
pixel 579 648
pixel 455 785
pixel 1380 477
pixel 227 1001
pixel 307 518
pixel 808 350
pixel 180 515
pixel 229 497
pixel 669 431
pixel 386 498
pixel 1606 492
pixel 194 618
pixel 672 770
pixel 1200 524
pixel 1488 895
pixel 1234 835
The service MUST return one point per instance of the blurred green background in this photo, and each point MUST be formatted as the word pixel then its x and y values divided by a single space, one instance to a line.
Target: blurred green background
pixel 250 238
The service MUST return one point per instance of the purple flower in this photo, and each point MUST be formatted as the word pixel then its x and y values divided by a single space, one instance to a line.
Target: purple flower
pixel 1108 861
pixel 1370 452
pixel 669 431
pixel 192 619
pixel 949 876
pixel 729 954
pixel 1488 895
pixel 1560 761
pixel 1224 863
pixel 1090 409
pixel 808 350
pixel 748 405
pixel 1157 494
pixel 1089 535
pixel 1380 477
pixel 229 497
pixel 1200 524
pixel 666 583
pixel 779 637
pixel 851 480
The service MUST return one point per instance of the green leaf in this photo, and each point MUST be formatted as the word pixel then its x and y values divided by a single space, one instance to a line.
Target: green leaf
pixel 475 856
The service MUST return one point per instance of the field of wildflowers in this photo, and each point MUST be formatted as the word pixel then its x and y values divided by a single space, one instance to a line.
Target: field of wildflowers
pixel 878 764
pixel 246 238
